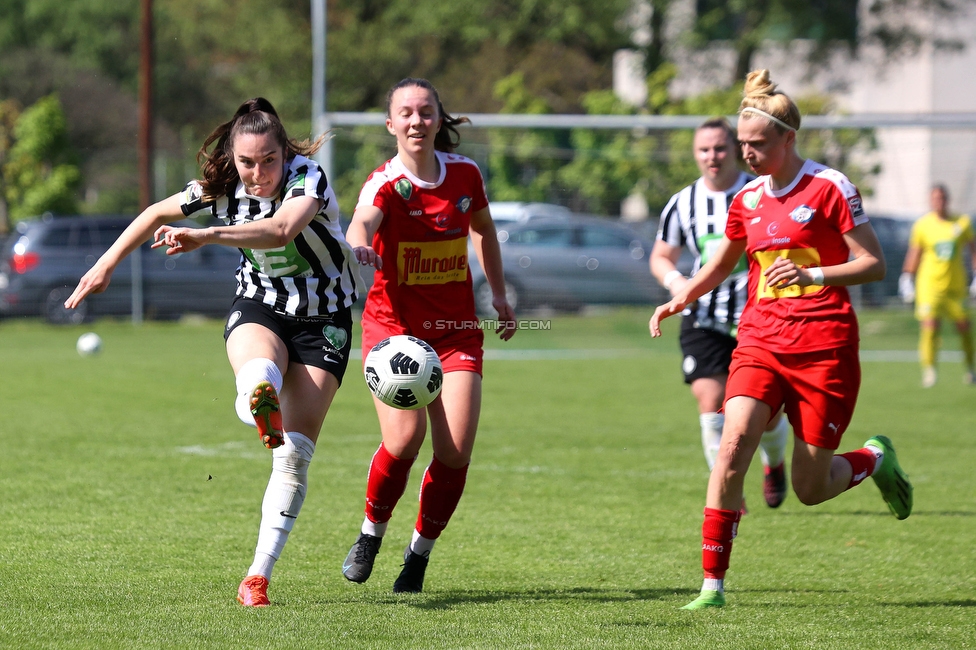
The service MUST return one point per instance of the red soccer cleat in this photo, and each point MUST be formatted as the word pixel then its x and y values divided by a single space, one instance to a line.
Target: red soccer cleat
pixel 267 414
pixel 774 485
pixel 253 592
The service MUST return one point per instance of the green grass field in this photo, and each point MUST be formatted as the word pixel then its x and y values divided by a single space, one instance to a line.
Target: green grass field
pixel 131 500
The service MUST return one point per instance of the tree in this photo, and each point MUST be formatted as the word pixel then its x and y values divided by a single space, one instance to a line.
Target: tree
pixel 9 112
pixel 40 174
pixel 827 24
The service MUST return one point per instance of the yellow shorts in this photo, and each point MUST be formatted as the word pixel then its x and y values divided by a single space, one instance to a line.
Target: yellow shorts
pixel 939 307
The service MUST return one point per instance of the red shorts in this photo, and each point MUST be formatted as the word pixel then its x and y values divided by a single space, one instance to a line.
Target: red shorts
pixel 457 349
pixel 818 389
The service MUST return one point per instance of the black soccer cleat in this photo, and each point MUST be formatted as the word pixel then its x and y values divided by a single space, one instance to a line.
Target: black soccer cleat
pixel 359 563
pixel 411 578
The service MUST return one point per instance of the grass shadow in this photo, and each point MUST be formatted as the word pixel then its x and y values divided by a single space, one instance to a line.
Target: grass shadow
pixel 437 600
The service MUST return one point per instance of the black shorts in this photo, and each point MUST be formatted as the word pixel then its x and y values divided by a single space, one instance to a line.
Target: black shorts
pixel 706 352
pixel 320 341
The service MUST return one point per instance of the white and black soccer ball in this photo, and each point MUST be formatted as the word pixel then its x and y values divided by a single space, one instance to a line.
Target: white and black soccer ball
pixel 89 343
pixel 404 372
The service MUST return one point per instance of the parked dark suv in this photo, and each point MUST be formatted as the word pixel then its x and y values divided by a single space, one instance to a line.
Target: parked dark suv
pixel 42 262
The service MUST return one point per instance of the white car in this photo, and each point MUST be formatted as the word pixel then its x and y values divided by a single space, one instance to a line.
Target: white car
pixel 520 212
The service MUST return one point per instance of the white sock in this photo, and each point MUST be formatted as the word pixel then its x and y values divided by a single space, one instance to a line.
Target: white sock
pixel 711 434
pixel 373 528
pixel 250 375
pixel 283 500
pixel 713 584
pixel 421 545
pixel 772 445
pixel 878 456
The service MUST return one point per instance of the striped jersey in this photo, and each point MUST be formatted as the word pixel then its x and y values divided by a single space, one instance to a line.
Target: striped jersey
pixel 313 274
pixel 695 219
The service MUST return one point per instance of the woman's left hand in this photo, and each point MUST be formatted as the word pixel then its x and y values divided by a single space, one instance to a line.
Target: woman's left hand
pixel 179 240
pixel 784 272
pixel 506 318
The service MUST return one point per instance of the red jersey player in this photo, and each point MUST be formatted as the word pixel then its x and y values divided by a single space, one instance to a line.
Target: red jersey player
pixel 412 222
pixel 804 232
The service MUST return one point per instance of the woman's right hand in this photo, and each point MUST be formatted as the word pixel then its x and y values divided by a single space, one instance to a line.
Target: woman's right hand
pixel 670 308
pixel 366 256
pixel 95 281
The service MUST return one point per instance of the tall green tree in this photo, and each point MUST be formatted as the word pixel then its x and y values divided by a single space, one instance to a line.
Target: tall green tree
pixel 40 174
pixel 827 24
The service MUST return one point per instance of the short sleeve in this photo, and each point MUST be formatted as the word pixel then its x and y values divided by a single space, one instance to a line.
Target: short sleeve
pixel 305 178
pixel 735 227
pixel 191 199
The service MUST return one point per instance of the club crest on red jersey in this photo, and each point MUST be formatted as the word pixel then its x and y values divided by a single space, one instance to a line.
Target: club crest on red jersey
pixel 404 188
pixel 802 214
pixel 464 204
pixel 751 199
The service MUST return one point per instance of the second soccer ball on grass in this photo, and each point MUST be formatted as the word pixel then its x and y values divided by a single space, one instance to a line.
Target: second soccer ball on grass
pixel 404 372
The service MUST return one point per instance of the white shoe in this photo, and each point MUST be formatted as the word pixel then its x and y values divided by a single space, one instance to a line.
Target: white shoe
pixel 929 377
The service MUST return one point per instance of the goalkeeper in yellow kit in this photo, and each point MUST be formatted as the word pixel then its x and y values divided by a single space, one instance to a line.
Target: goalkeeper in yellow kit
pixel 934 276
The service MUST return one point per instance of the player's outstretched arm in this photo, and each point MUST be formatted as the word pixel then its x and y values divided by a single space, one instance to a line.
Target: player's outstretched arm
pixel 708 277
pixel 664 266
pixel 484 237
pixel 365 222
pixel 290 219
pixel 98 277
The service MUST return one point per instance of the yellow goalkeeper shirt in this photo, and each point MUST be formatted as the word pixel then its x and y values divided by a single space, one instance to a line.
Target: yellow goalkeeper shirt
pixel 941 241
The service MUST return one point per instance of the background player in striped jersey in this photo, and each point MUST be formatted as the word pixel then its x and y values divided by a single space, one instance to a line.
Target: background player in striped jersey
pixel 412 223
pixel 288 333
pixel 807 238
pixel 695 219
pixel 934 276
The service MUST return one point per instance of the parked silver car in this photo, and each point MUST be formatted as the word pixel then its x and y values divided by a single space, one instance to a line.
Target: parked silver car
pixel 570 261
pixel 42 262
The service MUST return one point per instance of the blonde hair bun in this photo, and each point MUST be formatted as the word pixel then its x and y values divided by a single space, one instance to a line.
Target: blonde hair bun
pixel 758 84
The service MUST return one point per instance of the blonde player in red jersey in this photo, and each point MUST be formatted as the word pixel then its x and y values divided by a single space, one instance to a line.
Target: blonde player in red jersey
pixel 412 223
pixel 805 234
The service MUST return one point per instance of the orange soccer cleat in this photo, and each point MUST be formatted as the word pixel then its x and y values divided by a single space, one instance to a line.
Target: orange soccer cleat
pixel 267 414
pixel 253 592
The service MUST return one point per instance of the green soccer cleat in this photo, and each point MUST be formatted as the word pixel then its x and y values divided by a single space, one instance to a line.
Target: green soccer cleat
pixel 707 598
pixel 893 482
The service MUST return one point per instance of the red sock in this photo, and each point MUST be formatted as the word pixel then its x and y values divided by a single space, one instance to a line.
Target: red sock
pixel 718 531
pixel 439 496
pixel 385 484
pixel 862 463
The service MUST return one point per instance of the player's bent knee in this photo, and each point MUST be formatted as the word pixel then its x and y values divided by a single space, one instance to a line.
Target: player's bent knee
pixel 808 494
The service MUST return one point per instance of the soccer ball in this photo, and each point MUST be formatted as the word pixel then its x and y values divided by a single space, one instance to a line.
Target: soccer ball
pixel 404 372
pixel 89 343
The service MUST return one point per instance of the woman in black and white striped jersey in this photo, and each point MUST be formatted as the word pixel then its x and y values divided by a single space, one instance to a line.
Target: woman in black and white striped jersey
pixel 288 332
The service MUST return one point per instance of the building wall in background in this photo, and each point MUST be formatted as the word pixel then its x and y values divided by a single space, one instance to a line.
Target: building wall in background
pixel 932 81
